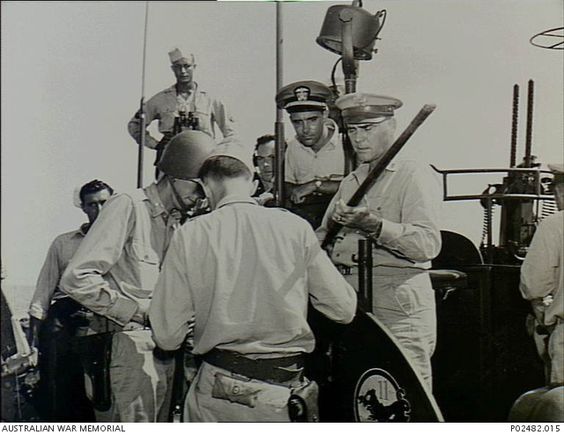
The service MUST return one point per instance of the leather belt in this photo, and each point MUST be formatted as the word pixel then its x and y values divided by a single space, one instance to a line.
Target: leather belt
pixel 277 370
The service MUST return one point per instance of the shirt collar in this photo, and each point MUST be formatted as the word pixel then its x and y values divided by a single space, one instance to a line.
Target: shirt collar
pixel 156 207
pixel 232 199
pixel 172 89
pixel 362 171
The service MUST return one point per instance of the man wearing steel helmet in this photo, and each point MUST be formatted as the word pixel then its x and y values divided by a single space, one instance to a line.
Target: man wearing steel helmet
pixel 314 161
pixel 182 101
pixel 400 215
pixel 246 273
pixel 114 272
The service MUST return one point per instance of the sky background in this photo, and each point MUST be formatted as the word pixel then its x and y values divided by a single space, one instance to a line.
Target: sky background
pixel 71 80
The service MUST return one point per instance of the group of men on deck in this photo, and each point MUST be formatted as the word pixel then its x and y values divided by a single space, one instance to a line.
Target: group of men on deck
pixel 196 262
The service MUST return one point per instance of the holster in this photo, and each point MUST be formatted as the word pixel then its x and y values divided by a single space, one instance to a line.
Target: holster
pixel 95 352
pixel 302 404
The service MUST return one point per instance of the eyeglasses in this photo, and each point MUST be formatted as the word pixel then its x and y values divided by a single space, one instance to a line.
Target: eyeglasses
pixel 365 127
pixel 180 67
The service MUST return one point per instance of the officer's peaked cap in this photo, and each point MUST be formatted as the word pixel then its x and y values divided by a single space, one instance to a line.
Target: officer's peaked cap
pixel 303 96
pixel 359 107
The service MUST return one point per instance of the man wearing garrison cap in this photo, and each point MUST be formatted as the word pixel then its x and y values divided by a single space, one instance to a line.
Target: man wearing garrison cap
pixel 315 160
pixel 182 106
pixel 400 215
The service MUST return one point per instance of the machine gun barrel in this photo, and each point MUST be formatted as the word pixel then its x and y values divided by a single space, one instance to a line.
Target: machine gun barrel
pixel 529 137
pixel 333 227
pixel 514 125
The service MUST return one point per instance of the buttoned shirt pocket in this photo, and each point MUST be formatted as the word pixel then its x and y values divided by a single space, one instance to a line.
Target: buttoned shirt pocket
pixel 148 265
pixel 384 206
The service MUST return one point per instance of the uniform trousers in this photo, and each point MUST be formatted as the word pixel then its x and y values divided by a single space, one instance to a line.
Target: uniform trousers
pixel 141 383
pixel 404 301
pixel 237 398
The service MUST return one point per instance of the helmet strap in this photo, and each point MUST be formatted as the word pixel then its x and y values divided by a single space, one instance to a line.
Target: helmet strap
pixel 183 205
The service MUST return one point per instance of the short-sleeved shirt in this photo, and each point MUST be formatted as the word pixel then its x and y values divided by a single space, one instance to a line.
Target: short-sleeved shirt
pixel 165 106
pixel 303 165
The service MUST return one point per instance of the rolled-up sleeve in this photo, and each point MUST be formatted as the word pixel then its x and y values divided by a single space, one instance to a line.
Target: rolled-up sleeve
pixel 85 277
pixel 223 118
pixel 172 305
pixel 417 236
pixel 329 293
pixel 151 113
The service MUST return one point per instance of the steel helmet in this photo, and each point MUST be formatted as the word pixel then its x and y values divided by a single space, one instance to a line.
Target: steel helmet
pixel 185 154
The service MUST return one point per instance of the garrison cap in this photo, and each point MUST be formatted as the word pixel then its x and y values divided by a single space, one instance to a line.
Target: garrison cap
pixel 359 107
pixel 302 96
pixel 176 55
pixel 558 171
pixel 232 147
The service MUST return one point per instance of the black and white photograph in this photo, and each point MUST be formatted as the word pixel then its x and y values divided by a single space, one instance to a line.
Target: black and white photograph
pixel 282 211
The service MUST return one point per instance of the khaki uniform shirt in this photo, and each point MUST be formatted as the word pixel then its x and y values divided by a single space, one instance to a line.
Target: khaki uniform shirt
pixel 116 266
pixel 303 165
pixel 542 272
pixel 246 273
pixel 165 105
pixel 407 198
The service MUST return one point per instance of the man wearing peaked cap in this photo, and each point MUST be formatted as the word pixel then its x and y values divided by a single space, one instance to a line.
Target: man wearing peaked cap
pixel 114 272
pixel 315 161
pixel 182 106
pixel 400 215
pixel 246 273
pixel 542 283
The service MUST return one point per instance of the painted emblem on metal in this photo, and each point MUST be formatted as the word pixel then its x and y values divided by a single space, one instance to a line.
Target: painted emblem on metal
pixel 302 93
pixel 379 398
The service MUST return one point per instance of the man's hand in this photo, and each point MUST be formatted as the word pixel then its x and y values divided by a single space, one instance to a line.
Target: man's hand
pixel 300 192
pixel 355 217
pixel 139 319
pixel 33 332
pixel 265 197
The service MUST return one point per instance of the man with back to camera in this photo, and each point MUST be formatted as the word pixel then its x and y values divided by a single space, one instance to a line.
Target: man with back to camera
pixel 246 273
pixel 114 272
pixel 315 162
pixel 184 103
pixel 55 319
pixel 400 215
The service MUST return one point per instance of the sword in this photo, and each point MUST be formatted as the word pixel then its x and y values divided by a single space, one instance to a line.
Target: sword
pixel 333 227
